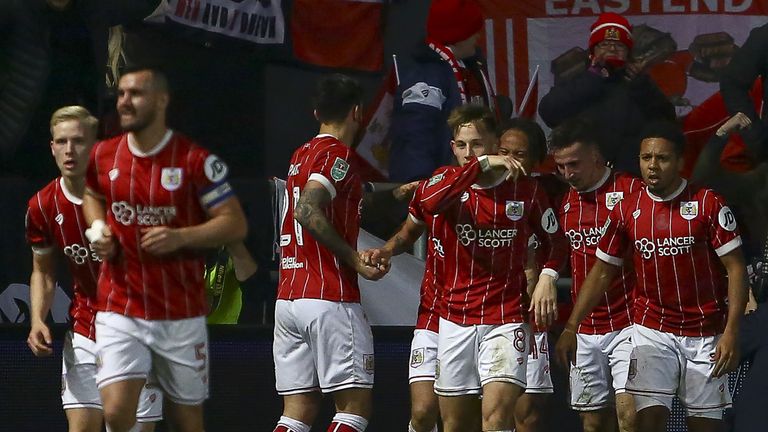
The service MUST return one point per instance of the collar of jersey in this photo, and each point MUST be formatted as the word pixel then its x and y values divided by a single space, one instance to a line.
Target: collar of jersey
pixel 671 196
pixel 326 136
pixel 70 196
pixel 602 181
pixel 155 150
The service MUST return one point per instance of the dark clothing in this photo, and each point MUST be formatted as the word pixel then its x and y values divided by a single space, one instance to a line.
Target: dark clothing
pixel 749 405
pixel 619 108
pixel 427 93
pixel 748 63
pixel 52 58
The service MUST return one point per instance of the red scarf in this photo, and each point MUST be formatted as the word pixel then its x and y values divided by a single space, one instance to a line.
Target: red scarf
pixel 448 56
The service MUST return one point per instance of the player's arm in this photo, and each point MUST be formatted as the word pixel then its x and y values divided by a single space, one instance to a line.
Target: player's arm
pixel 102 241
pixel 727 351
pixel 226 224
pixel 552 241
pixel 42 286
pixel 592 291
pixel 310 213
pixel 399 243
pixel 242 260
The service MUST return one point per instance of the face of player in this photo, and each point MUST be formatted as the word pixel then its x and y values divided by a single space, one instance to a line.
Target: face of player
pixel 138 102
pixel 580 165
pixel 71 146
pixel 469 142
pixel 514 143
pixel 660 166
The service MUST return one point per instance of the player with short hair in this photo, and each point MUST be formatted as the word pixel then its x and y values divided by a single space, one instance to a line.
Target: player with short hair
pixel 154 200
pixel 684 241
pixel 55 221
pixel 598 377
pixel 323 342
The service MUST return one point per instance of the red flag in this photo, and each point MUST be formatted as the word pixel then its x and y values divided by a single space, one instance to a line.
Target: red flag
pixel 374 140
pixel 338 33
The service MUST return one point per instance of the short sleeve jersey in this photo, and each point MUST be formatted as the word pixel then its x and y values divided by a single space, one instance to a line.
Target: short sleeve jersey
pixel 583 216
pixel 676 243
pixel 307 268
pixel 172 185
pixel 55 221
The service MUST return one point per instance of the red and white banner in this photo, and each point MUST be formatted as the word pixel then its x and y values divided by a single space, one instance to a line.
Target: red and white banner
pixel 259 21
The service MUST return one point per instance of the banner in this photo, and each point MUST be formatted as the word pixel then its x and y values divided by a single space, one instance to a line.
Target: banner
pixel 258 21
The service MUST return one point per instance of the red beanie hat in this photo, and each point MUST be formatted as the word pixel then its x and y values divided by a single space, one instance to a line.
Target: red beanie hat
pixel 452 21
pixel 610 26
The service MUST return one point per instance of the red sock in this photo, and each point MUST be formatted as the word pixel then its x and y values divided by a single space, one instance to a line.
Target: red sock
pixel 341 427
pixel 281 428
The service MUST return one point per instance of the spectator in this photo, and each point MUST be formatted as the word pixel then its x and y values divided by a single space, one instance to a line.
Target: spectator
pixel 445 73
pixel 613 91
pixel 52 53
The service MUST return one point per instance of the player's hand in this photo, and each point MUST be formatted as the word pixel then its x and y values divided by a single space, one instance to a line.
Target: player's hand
pixel 565 348
pixel 726 354
pixel 737 122
pixel 106 247
pixel 405 192
pixel 40 340
pixel 544 301
pixel 371 272
pixel 161 240
pixel 513 167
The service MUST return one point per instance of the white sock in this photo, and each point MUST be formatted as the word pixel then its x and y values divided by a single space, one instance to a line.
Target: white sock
pixel 353 420
pixel 411 429
pixel 292 424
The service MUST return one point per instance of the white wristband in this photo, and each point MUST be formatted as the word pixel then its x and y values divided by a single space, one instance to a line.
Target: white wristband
pixel 96 231
pixel 550 272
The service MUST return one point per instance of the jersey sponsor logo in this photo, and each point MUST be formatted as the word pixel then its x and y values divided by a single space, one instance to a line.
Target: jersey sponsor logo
pixel 485 237
pixel 290 263
pixel 293 169
pixel 127 214
pixel 215 168
pixel 417 357
pixel 113 174
pixel 613 198
pixel 726 219
pixel 171 178
pixel 59 219
pixel 689 209
pixel 437 179
pixel 549 221
pixel 514 210
pixel 588 237
pixel 339 169
pixel 667 246
pixel 80 254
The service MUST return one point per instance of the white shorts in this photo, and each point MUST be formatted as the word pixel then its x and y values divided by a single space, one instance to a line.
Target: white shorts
pixel 663 365
pixel 175 352
pixel 423 356
pixel 78 381
pixel 322 345
pixel 600 372
pixel 538 379
pixel 469 357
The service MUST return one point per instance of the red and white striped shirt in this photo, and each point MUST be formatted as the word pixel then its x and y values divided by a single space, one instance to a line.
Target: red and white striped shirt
pixel 307 268
pixel 582 217
pixel 486 243
pixel 431 304
pixel 676 241
pixel 55 220
pixel 172 185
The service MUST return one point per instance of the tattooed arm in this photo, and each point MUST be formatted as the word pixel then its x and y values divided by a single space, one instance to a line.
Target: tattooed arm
pixel 401 242
pixel 310 213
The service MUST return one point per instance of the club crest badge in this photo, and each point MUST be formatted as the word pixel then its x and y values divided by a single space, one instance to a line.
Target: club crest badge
pixel 368 361
pixel 514 210
pixel 611 33
pixel 339 169
pixel 417 357
pixel 170 178
pixel 689 209
pixel 613 198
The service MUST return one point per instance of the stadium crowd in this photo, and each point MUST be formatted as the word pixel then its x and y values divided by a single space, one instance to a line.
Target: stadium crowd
pixel 667 270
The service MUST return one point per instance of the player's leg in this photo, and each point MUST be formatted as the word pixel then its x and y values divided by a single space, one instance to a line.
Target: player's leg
pixel 590 377
pixel 343 344
pixel 421 377
pixel 502 366
pixel 618 351
pixel 150 410
pixel 654 376
pixel 703 395
pixel 531 405
pixel 180 366
pixel 79 395
pixel 124 364
pixel 457 382
pixel 295 371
